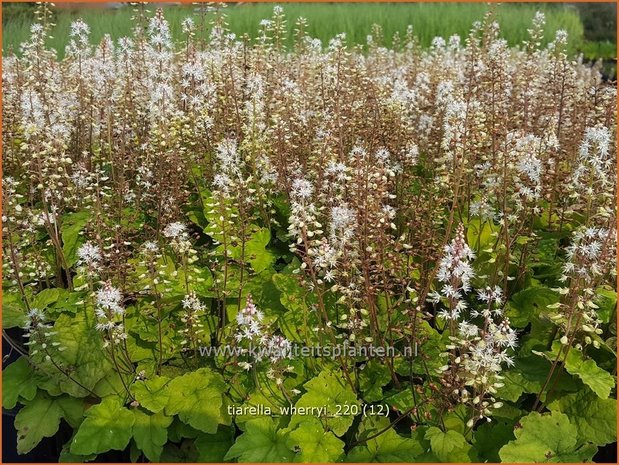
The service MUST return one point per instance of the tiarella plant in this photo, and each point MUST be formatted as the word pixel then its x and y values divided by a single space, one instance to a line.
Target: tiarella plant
pixel 224 249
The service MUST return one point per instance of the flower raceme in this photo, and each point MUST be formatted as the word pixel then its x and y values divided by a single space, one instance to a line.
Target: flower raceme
pixel 109 311
pixel 249 321
pixel 455 273
pixel 262 344
pixel 90 256
pixel 481 342
pixel 40 333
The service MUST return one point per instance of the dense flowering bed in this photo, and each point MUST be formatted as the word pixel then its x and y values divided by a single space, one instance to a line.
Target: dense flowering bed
pixel 223 249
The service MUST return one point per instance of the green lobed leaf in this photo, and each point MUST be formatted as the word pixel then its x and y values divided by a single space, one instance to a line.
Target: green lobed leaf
pixel 108 426
pixel 448 446
pixel 262 441
pixel 83 352
pixel 600 381
pixel 456 419
pixel 70 229
pixel 212 448
pixel 265 294
pixel 152 394
pixel 13 311
pixel 401 401
pixel 67 457
pixel 255 250
pixel 544 438
pixel 490 437
pixel 528 304
pixel 67 301
pixel 528 375
pixel 150 433
pixel 312 443
pixel 19 380
pixel 197 399
pixel 185 453
pixel 292 294
pixel 38 419
pixel 372 379
pixel 72 409
pixel 45 298
pixel 255 406
pixel 134 452
pixel 479 233
pixel 328 390
pixel 595 419
pixel 606 300
pixel 179 430
pixel 387 447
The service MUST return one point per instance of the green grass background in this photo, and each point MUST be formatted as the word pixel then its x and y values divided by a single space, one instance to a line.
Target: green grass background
pixel 325 20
